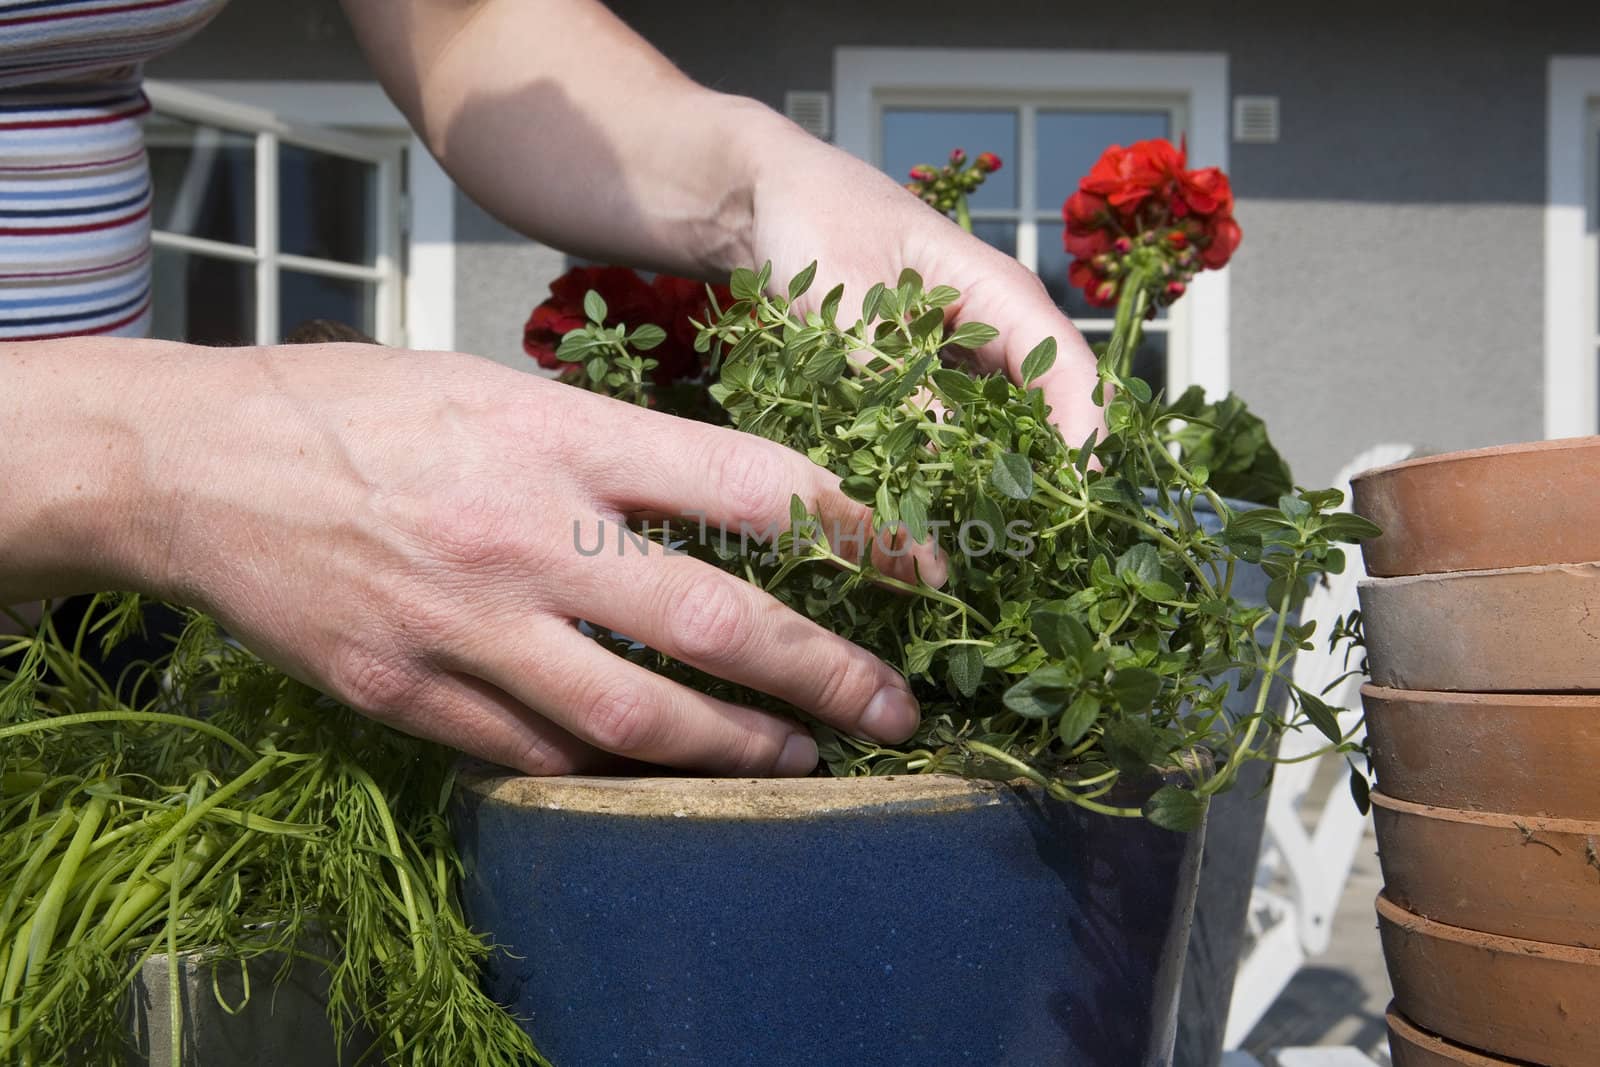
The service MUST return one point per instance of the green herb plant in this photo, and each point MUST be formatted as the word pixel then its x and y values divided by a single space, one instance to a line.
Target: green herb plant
pixel 1088 630
pixel 207 803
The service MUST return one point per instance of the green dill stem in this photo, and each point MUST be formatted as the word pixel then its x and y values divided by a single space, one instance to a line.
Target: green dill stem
pixel 34 726
pixel 398 860
pixel 47 913
pixel 19 889
pixel 174 961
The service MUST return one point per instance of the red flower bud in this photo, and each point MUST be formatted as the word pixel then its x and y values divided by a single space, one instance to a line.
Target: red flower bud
pixel 923 173
pixel 1178 239
pixel 987 162
pixel 958 156
pixel 1123 245
pixel 1175 290
pixel 1105 294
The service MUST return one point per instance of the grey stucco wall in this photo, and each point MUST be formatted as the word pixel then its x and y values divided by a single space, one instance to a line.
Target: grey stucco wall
pixel 1390 283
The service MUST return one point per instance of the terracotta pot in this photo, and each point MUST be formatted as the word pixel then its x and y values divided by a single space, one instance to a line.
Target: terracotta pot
pixel 1526 1000
pixel 1511 506
pixel 1410 1046
pixel 1513 875
pixel 1474 750
pixel 1528 629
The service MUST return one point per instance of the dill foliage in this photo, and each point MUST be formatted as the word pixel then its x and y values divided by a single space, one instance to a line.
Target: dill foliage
pixel 208 803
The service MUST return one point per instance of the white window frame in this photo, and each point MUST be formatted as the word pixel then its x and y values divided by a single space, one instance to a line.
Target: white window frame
pixel 1572 249
pixel 426 314
pixel 1192 85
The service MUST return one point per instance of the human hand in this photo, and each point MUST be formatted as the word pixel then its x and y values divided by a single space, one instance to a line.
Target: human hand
pixel 402 530
pixel 812 201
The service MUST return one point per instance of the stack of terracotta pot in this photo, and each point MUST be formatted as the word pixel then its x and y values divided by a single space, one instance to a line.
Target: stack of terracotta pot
pixel 1482 621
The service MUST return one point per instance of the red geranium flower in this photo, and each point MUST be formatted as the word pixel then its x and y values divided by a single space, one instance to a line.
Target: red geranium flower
pixel 668 301
pixel 1143 203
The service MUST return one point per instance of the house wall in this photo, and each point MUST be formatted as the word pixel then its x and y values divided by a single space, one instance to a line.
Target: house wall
pixel 1390 282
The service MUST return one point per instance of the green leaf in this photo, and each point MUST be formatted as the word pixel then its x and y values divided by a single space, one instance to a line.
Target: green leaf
pixel 1133 745
pixel 1140 564
pixel 1038 361
pixel 1321 715
pixel 798 512
pixel 964 667
pixel 859 487
pixel 942 296
pixel 647 337
pixel 1344 526
pixel 914 513
pixel 743 285
pixel 802 281
pixel 1041 694
pixel 1076 720
pixel 1135 689
pixel 871 302
pixel 927 323
pixel 972 335
pixel 1012 476
pixel 594 306
pixel 830 304
pixel 1360 791
pixel 1060 633
pixel 1173 808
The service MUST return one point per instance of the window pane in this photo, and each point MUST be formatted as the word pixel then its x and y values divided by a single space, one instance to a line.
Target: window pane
pixel 1150 361
pixel 1053 263
pixel 1070 142
pixel 1003 235
pixel 204 178
pixel 327 205
pixel 926 135
pixel 201 299
pixel 304 296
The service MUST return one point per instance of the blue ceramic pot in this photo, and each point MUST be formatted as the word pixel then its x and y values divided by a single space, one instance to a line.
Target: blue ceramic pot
pixel 876 922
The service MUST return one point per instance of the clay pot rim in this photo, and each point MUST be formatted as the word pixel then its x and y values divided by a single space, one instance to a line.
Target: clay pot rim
pixel 1410 922
pixel 1439 1046
pixel 1495 820
pixel 1397 580
pixel 1554 701
pixel 1475 454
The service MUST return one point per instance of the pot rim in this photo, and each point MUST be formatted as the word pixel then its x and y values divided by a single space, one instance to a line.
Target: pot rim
pixel 1432 1042
pixel 1589 567
pixel 1495 820
pixel 737 798
pixel 1470 454
pixel 1550 701
pixel 1412 923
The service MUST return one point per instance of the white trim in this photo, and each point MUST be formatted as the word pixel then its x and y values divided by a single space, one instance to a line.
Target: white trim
pixel 863 76
pixel 430 275
pixel 1570 249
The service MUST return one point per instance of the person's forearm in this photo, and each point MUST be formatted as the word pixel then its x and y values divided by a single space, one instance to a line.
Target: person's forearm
pixel 83 420
pixel 561 121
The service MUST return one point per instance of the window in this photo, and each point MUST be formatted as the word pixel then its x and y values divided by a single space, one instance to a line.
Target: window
pixel 1572 249
pixel 1046 145
pixel 260 225
pixel 1048 115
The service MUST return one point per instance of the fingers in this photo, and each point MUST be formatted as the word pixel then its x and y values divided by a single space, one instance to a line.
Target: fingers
pixel 483 721
pixel 740 485
pixel 606 702
pixel 725 626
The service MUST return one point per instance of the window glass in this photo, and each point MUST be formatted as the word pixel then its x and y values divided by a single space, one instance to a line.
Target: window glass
pixel 1002 235
pixel 303 296
pixel 1070 142
pixel 202 299
pixel 926 135
pixel 204 180
pixel 327 205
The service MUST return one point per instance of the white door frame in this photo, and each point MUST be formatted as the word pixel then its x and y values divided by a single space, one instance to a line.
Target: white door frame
pixel 862 77
pixel 1571 251
pixel 430 278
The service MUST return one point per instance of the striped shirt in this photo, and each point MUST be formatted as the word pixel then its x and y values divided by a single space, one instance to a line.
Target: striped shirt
pixel 74 179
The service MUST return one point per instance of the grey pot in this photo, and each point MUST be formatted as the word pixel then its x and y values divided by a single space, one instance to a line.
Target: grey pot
pixel 279 1026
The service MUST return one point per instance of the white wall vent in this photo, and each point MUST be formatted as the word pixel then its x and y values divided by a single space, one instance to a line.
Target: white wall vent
pixel 811 111
pixel 1255 119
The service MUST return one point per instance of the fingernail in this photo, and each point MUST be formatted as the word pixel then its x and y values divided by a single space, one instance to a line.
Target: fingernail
pixel 798 758
pixel 892 715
